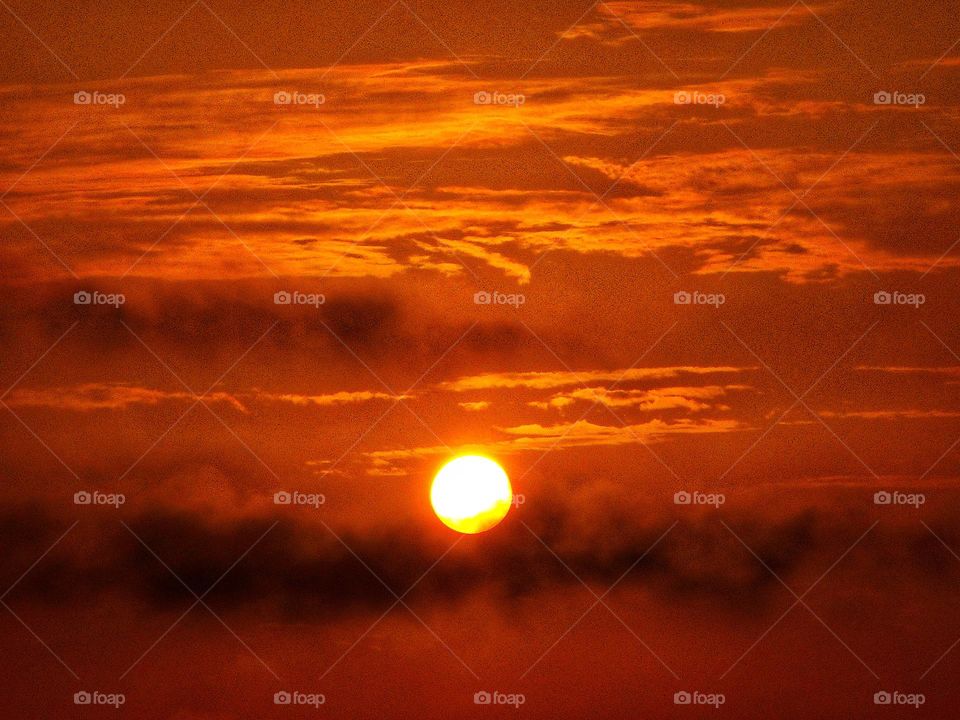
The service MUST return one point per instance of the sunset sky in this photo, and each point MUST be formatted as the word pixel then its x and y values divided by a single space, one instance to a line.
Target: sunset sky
pixel 721 247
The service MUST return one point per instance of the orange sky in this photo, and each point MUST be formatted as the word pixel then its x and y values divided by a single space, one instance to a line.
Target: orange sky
pixel 636 154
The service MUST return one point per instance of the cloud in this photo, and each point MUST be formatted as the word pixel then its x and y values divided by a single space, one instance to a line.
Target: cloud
pixel 706 16
pixel 89 397
pixel 300 571
pixel 338 398
pixel 549 380
pixel 667 398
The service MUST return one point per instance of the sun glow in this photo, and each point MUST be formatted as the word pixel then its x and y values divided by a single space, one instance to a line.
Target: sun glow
pixel 471 494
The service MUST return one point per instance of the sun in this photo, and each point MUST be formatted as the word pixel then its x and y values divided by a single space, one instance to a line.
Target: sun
pixel 471 494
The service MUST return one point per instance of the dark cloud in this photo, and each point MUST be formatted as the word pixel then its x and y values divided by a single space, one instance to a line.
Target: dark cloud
pixel 301 572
